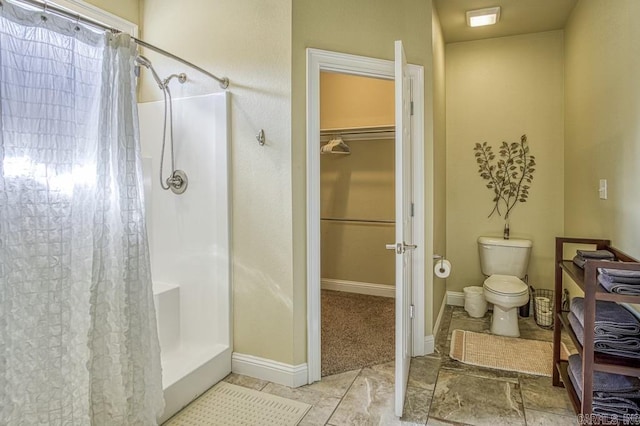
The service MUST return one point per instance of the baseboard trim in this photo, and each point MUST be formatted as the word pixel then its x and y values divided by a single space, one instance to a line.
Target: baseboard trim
pixel 455 298
pixel 267 369
pixel 430 341
pixel 429 344
pixel 358 287
pixel 436 325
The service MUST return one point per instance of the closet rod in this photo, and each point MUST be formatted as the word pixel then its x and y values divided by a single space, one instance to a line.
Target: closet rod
pixel 335 219
pixel 357 134
pixel 224 81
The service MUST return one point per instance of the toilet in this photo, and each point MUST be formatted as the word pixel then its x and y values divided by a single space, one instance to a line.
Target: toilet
pixel 504 263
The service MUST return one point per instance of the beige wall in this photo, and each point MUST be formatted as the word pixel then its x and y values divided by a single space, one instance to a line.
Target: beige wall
pixel 355 101
pixel 439 161
pixel 250 42
pixel 360 185
pixel 498 89
pixel 602 139
pixel 126 9
pixel 362 27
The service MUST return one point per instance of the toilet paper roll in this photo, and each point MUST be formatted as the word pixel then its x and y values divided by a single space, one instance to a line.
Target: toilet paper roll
pixel 543 303
pixel 442 268
pixel 545 319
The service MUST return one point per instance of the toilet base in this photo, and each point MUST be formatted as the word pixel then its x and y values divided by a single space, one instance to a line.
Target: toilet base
pixel 505 322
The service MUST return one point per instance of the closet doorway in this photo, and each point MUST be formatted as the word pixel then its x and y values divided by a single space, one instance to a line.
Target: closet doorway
pixel 357 220
pixel 411 212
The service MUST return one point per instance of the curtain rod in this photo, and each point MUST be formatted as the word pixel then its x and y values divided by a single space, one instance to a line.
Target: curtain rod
pixel 224 81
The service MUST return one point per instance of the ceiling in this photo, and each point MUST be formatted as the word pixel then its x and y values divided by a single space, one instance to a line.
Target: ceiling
pixel 516 17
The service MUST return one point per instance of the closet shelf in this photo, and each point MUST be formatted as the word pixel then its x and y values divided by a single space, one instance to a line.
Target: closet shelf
pixel 359 133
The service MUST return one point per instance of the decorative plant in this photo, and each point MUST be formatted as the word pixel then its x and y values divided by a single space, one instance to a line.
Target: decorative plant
pixel 510 176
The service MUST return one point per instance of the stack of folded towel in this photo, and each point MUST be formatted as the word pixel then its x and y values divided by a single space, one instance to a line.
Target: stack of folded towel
pixel 616 330
pixel 582 256
pixel 620 281
pixel 613 394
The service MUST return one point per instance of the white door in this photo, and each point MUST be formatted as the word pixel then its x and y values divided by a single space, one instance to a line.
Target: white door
pixel 403 246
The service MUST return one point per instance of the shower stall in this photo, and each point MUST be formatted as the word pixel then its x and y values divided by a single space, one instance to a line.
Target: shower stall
pixel 189 240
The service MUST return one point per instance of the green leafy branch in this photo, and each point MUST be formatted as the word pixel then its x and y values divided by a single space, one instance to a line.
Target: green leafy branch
pixel 510 177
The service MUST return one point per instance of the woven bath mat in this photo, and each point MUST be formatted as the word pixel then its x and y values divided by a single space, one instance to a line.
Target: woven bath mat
pixel 228 404
pixel 504 353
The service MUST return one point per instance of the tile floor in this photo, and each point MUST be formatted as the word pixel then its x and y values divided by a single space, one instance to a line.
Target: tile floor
pixel 441 391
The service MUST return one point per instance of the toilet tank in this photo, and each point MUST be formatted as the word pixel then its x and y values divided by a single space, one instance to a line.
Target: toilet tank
pixel 504 257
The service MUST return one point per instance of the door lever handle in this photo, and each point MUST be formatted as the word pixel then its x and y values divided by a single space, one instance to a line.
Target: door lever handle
pixel 400 248
pixel 396 247
pixel 410 246
pixel 390 246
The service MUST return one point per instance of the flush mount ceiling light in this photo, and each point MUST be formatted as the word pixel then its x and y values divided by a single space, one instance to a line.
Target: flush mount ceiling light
pixel 481 17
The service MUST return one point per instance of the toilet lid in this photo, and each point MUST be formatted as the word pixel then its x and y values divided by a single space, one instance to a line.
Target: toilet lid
pixel 505 284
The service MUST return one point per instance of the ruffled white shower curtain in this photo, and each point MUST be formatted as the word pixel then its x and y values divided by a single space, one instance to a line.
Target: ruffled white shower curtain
pixel 78 338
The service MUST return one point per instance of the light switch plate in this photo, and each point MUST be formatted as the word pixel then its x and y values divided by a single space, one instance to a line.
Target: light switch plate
pixel 602 190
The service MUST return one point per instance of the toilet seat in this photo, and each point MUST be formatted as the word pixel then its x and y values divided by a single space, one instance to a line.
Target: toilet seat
pixel 505 285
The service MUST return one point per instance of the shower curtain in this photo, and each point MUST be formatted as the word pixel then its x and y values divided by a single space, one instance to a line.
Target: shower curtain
pixel 78 338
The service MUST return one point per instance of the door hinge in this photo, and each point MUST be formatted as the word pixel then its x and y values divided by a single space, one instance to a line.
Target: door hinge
pixel 412 311
pixel 413 210
pixel 411 108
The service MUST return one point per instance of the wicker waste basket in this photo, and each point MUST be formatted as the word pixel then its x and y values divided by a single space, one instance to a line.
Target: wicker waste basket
pixel 543 301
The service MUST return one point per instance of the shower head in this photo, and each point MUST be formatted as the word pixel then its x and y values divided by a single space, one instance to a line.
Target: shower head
pixel 141 60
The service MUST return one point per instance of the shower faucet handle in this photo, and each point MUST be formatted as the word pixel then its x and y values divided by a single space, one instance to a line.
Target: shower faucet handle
pixel 177 182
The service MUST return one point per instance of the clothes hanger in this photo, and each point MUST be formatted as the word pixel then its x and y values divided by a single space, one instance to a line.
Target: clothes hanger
pixel 336 146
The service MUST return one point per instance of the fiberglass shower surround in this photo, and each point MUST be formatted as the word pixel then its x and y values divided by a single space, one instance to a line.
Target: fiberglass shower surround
pixel 189 245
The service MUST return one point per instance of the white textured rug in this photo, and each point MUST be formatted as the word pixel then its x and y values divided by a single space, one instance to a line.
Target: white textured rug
pixel 227 404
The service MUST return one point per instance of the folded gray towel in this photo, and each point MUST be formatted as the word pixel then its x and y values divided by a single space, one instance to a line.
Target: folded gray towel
pixel 595 254
pixel 606 382
pixel 610 318
pixel 634 276
pixel 579 261
pixel 606 403
pixel 619 288
pixel 608 344
pixel 630 344
pixel 615 279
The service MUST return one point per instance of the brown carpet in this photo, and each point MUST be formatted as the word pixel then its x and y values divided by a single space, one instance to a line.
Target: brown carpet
pixel 357 331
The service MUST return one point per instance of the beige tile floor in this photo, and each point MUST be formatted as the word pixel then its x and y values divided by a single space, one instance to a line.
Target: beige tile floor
pixel 441 391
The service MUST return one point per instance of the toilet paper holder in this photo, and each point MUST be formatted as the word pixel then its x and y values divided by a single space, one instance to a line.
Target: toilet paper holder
pixel 441 259
pixel 442 268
